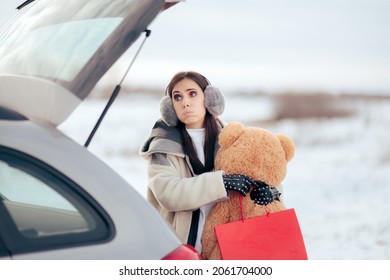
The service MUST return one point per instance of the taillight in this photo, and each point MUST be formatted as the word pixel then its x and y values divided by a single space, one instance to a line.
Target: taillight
pixel 184 252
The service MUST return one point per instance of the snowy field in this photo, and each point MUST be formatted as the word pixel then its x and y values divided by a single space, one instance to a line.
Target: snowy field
pixel 338 181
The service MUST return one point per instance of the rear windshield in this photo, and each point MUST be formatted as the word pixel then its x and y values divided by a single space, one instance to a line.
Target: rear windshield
pixel 59 45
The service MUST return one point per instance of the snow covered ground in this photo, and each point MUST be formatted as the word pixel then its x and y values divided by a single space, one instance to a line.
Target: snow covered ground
pixel 338 181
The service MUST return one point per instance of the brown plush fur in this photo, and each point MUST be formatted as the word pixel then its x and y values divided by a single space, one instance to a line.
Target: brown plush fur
pixel 254 152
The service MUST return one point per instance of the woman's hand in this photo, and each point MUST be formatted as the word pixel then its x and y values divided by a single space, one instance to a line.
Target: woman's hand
pixel 238 182
pixel 264 194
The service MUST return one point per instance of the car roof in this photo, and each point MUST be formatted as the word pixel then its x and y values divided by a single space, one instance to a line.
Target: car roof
pixel 53 52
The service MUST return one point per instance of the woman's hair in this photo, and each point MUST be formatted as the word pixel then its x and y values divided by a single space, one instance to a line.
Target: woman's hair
pixel 211 127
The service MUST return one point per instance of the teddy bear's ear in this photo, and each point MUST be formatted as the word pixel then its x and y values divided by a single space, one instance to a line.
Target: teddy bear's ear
pixel 230 133
pixel 288 146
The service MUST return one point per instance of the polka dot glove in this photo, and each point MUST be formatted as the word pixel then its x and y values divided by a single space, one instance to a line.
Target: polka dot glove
pixel 238 182
pixel 262 194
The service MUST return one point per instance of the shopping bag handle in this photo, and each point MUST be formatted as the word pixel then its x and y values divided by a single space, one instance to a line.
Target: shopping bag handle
pixel 242 208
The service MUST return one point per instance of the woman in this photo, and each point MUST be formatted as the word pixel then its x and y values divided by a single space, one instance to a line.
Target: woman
pixel 180 152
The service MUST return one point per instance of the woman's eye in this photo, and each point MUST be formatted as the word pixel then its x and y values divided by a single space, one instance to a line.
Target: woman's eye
pixel 193 93
pixel 177 97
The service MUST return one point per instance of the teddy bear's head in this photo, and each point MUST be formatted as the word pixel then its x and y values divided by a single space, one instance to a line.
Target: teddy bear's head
pixel 255 152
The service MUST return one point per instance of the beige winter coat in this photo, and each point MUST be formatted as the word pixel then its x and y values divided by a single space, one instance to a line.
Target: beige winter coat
pixel 172 189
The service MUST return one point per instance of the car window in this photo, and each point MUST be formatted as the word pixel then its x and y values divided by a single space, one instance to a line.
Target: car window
pixel 28 54
pixel 42 207
pixel 36 208
pixel 56 45
pixel 72 43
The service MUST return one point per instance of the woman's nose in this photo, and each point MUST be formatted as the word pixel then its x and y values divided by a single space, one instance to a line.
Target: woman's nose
pixel 186 102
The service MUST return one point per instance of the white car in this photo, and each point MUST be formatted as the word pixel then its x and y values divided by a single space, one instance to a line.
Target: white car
pixel 58 200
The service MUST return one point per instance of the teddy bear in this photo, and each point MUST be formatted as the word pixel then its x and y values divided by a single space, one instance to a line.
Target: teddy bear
pixel 259 154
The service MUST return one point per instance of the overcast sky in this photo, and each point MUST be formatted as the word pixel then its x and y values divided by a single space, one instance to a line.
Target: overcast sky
pixel 333 45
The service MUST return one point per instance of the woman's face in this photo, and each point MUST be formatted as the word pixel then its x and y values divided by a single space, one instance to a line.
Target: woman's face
pixel 188 102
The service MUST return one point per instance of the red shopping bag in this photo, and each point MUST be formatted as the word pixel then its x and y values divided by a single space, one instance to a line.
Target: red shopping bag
pixel 275 236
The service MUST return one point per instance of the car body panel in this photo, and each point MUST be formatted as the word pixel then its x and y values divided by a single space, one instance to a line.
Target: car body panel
pixel 15 93
pixel 124 204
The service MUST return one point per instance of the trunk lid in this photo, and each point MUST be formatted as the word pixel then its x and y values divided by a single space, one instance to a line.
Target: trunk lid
pixel 53 52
